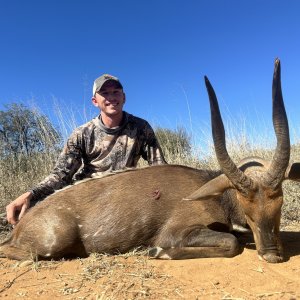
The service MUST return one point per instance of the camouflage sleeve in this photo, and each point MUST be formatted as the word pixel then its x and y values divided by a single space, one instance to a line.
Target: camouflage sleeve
pixel 69 161
pixel 152 151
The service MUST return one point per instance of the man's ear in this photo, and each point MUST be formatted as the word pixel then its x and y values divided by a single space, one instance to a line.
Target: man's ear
pixel 94 101
pixel 124 97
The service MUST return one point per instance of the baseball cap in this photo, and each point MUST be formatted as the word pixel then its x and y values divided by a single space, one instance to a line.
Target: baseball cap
pixel 98 83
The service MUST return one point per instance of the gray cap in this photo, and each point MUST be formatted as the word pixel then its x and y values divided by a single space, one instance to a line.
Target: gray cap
pixel 98 83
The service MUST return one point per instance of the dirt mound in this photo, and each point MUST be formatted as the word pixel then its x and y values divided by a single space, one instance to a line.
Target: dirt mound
pixel 134 276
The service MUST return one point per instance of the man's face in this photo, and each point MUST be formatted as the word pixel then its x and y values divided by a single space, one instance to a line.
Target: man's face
pixel 110 99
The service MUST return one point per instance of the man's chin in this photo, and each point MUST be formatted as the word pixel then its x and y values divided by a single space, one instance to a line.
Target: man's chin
pixel 113 112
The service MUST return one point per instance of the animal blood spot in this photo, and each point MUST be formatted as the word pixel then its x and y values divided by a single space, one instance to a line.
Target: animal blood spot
pixel 155 194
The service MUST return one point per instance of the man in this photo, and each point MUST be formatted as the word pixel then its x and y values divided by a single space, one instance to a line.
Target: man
pixel 114 140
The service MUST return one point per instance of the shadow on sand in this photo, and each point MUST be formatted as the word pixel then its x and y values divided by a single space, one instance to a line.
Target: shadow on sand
pixel 290 242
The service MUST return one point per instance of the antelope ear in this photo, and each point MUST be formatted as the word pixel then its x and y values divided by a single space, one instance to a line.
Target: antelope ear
pixel 293 172
pixel 212 188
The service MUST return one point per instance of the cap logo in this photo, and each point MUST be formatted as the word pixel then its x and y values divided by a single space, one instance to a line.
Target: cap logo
pixel 106 76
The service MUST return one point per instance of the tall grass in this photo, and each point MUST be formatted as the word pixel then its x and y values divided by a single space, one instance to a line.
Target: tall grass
pixel 18 173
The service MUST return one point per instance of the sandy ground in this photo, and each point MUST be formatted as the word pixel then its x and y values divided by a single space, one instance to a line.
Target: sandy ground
pixel 134 276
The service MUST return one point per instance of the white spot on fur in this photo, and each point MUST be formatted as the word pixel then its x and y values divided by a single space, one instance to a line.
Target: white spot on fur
pixel 77 217
pixel 69 208
pixel 159 250
pixel 60 207
pixel 85 236
pixel 239 228
pixel 98 231
pixel 79 225
pixel 50 239
pixel 164 256
pixel 48 254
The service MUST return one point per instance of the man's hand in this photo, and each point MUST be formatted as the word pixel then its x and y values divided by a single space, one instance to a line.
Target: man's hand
pixel 16 209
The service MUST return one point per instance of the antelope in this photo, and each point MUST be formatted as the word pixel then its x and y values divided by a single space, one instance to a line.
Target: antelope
pixel 177 211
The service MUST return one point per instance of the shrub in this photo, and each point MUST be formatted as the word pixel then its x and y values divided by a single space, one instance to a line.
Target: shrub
pixel 29 146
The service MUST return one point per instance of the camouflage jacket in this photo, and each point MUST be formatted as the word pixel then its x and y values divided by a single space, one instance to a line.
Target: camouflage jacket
pixel 93 150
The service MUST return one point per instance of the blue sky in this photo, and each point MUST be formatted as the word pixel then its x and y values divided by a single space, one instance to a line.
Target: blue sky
pixel 160 50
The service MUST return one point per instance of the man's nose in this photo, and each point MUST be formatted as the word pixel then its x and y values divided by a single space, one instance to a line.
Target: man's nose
pixel 110 96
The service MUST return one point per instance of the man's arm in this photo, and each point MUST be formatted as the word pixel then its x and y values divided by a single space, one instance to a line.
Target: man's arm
pixel 66 166
pixel 152 150
pixel 68 163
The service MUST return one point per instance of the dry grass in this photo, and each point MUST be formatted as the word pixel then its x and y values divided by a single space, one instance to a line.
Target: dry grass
pixel 128 276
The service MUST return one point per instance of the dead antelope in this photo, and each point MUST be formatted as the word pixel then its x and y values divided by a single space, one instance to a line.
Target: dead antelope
pixel 145 207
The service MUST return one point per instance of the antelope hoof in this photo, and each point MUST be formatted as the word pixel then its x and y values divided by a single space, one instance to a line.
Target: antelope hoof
pixel 158 252
pixel 272 258
pixel 154 252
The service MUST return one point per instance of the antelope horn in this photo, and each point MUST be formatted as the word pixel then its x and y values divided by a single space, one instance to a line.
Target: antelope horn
pixel 276 172
pixel 240 181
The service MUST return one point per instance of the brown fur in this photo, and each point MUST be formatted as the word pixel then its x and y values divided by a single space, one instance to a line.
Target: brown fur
pixel 117 213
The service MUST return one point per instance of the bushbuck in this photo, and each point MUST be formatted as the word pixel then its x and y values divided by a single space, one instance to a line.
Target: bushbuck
pixel 148 207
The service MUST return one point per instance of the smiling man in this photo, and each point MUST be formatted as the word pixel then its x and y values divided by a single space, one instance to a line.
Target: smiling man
pixel 112 141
